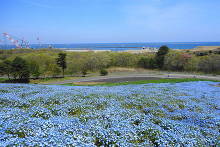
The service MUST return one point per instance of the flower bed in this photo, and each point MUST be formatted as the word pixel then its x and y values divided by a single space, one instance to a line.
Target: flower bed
pixel 181 114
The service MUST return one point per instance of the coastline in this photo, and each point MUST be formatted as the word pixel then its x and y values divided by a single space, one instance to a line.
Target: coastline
pixel 149 50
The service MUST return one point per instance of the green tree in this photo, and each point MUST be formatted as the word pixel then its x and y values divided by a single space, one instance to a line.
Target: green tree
pixel 160 56
pixel 20 70
pixel 34 69
pixel 53 70
pixel 5 68
pixel 61 61
pixel 2 69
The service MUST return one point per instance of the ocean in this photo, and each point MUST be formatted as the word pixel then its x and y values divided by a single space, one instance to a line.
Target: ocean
pixel 119 46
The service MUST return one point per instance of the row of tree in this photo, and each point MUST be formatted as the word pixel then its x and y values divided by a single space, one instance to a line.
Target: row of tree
pixel 19 70
pixel 172 60
pixel 19 64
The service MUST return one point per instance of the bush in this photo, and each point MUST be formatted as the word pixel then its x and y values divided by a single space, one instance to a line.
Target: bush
pixel 201 53
pixel 84 72
pixel 176 60
pixel 146 62
pixel 124 59
pixel 103 72
pixel 210 64
pixel 192 64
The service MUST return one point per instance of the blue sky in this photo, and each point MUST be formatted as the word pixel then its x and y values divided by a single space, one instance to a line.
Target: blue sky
pixel 106 21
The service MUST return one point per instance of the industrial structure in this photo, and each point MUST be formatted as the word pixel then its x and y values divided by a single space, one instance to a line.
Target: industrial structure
pixel 17 42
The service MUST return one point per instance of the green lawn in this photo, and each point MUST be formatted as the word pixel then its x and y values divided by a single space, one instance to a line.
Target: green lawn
pixel 44 80
pixel 2 80
pixel 145 82
pixel 51 80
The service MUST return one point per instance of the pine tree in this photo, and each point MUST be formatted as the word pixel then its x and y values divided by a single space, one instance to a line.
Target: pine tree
pixel 61 61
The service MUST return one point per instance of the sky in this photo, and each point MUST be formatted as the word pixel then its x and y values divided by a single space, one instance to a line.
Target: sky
pixel 111 21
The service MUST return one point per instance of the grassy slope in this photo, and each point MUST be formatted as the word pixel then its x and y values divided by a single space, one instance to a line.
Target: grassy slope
pixel 145 82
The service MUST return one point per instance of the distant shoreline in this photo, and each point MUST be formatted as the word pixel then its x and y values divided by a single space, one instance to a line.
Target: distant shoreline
pixel 140 50
pixel 117 46
pixel 149 50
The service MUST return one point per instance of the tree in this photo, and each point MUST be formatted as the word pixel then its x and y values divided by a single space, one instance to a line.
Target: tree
pixel 161 55
pixel 20 70
pixel 34 69
pixel 2 69
pixel 61 61
pixel 53 70
pixel 5 68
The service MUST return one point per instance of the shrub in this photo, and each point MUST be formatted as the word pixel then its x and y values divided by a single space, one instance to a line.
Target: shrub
pixel 210 64
pixel 192 64
pixel 103 72
pixel 124 59
pixel 201 53
pixel 176 61
pixel 84 72
pixel 146 62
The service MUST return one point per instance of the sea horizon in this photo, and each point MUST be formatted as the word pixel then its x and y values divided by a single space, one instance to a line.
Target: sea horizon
pixel 116 46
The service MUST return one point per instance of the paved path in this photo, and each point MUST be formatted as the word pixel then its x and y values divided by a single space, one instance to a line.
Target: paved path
pixel 136 77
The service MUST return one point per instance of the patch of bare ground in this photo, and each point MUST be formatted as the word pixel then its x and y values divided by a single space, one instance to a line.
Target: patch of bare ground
pixel 131 70
pixel 118 80
pixel 88 83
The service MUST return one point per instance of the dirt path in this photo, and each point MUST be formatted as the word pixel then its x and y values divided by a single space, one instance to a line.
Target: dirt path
pixel 135 77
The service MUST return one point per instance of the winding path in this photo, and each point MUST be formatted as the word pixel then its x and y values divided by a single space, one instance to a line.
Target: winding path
pixel 136 77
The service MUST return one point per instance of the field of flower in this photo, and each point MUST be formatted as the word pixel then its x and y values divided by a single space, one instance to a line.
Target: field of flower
pixel 179 114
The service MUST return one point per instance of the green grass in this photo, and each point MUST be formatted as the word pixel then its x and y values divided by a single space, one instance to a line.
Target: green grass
pixel 146 82
pixel 51 80
pixel 2 80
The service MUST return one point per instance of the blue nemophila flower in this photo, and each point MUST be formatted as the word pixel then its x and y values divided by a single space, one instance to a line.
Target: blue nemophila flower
pixel 181 114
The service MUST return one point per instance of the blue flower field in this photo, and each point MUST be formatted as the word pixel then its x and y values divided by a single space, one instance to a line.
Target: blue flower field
pixel 180 114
